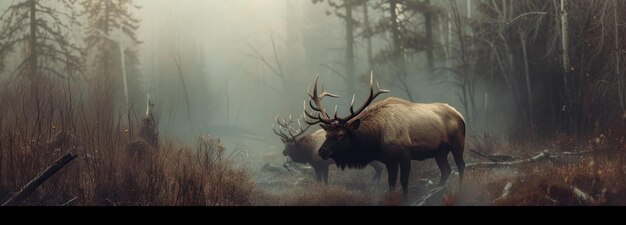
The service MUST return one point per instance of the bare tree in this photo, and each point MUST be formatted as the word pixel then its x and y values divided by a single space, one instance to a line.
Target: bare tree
pixel 111 24
pixel 40 29
pixel 466 80
pixel 344 9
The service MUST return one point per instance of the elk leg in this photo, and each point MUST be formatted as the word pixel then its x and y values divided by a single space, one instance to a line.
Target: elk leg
pixel 460 163
pixel 392 175
pixel 405 170
pixel 444 167
pixel 378 168
pixel 325 174
pixel 318 174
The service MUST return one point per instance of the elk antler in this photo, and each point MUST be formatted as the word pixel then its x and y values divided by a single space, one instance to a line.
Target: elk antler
pixel 315 102
pixel 370 99
pixel 286 124
pixel 323 117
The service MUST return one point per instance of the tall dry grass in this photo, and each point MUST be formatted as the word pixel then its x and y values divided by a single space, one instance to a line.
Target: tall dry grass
pixel 121 160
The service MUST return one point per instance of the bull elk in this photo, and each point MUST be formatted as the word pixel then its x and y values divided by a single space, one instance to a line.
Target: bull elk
pixel 393 131
pixel 304 149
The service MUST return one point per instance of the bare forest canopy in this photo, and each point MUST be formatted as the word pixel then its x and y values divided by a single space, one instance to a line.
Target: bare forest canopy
pixel 516 69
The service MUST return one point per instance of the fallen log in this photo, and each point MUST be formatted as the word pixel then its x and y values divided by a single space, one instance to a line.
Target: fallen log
pixel 482 155
pixel 29 188
pixel 494 158
pixel 541 156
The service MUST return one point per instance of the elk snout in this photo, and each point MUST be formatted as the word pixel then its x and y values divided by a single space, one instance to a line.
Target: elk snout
pixel 325 154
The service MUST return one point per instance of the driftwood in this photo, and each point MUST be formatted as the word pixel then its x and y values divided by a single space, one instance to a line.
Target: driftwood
pixel 40 179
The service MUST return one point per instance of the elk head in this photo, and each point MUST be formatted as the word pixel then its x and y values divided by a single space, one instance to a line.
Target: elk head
pixel 290 138
pixel 339 131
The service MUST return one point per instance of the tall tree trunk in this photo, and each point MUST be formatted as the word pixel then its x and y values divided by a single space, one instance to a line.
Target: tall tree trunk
pixel 565 39
pixel 350 47
pixel 469 9
pixel 444 43
pixel 107 54
pixel 398 55
pixel 620 78
pixel 34 55
pixel 466 94
pixel 395 32
pixel 567 83
pixel 368 36
pixel 290 52
pixel 449 40
pixel 104 92
pixel 428 21
pixel 522 38
pixel 35 79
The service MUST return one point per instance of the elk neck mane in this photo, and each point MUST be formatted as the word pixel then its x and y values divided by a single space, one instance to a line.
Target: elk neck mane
pixel 368 136
pixel 308 145
pixel 373 121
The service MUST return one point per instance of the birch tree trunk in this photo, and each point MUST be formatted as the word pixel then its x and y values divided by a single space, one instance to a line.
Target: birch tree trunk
pixel 565 40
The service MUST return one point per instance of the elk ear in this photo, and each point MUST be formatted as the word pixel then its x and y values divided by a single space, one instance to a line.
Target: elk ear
pixel 324 126
pixel 355 125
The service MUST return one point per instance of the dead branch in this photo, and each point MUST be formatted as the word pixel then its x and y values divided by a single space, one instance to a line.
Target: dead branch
pixel 575 153
pixel 506 191
pixel 428 196
pixel 482 155
pixel 278 69
pixel 40 179
pixel 582 197
pixel 69 202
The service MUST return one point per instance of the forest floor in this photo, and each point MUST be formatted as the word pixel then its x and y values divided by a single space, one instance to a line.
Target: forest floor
pixel 592 179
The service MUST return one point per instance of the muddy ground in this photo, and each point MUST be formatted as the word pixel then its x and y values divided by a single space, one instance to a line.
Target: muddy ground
pixel 557 181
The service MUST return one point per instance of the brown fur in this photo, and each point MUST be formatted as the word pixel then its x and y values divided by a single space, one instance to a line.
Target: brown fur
pixel 305 150
pixel 395 131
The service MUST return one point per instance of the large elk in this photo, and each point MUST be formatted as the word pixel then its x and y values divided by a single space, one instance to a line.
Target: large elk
pixel 305 149
pixel 393 131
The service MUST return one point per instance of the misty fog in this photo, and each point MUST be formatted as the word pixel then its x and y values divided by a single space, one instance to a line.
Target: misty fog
pixel 236 95
pixel 173 102
pixel 229 52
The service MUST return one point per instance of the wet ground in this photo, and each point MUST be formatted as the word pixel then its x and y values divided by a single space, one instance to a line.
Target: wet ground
pixel 424 190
